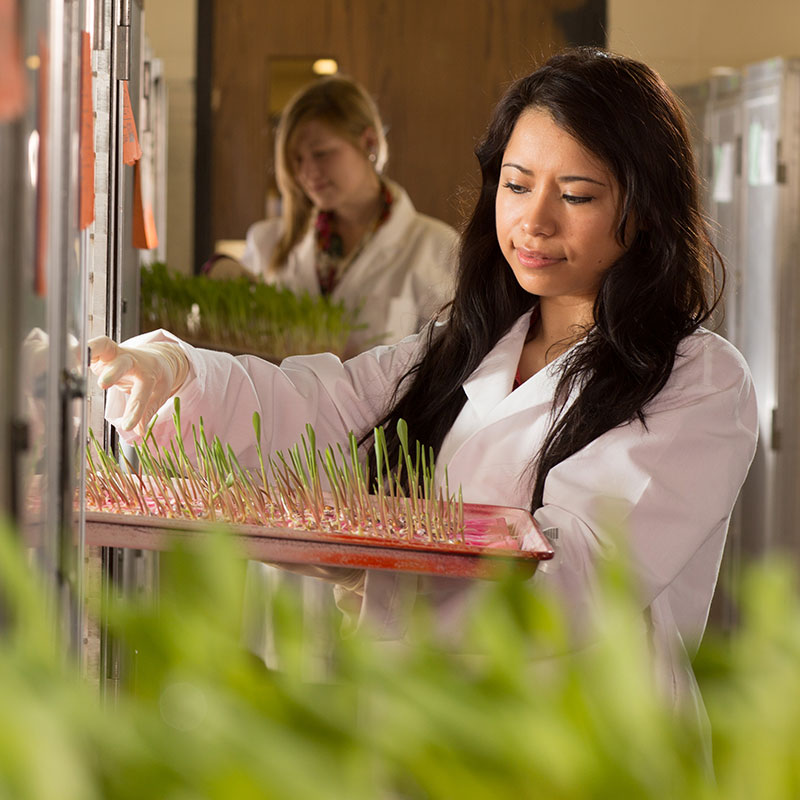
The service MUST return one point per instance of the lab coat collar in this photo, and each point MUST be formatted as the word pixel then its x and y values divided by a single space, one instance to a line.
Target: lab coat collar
pixel 401 216
pixel 389 236
pixel 489 388
pixel 491 382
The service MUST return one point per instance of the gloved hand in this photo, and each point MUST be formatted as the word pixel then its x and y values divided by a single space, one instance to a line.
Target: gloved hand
pixel 149 373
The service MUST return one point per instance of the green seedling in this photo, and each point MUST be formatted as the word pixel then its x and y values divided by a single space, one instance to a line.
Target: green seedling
pixel 288 491
pixel 240 316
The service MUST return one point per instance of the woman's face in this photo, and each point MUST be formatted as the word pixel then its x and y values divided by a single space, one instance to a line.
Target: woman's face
pixel 332 171
pixel 557 209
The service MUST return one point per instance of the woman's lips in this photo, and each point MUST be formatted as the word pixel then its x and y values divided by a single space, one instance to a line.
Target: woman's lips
pixel 533 259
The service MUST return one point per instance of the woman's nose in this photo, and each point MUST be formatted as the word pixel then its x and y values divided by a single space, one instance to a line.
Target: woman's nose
pixel 539 218
pixel 306 169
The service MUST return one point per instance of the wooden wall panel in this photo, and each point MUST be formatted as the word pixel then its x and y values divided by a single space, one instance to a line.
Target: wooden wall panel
pixel 435 67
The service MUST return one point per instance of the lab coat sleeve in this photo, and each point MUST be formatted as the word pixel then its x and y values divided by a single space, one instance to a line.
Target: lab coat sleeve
pixel 656 494
pixel 260 241
pixel 433 280
pixel 412 275
pixel 225 391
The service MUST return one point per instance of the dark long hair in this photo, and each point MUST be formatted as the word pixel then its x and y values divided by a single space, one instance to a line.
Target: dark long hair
pixel 649 300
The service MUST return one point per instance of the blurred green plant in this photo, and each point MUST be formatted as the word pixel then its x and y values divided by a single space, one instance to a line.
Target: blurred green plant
pixel 199 717
pixel 242 316
pixel 751 683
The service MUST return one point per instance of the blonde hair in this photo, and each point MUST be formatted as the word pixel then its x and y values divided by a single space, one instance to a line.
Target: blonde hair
pixel 346 107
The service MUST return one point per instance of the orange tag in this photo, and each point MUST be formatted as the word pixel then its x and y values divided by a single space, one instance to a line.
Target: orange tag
pixel 145 236
pixel 131 152
pixel 87 157
pixel 12 77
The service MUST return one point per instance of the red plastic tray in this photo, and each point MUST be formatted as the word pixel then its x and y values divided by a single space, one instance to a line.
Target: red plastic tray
pixel 483 557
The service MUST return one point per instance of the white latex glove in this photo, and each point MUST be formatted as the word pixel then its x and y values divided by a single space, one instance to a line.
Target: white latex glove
pixel 149 373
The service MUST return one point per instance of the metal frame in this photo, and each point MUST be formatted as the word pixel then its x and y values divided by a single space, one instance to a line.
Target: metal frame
pixel 770 295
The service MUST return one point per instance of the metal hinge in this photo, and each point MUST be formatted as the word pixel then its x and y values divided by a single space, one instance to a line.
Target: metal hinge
pixel 739 156
pixel 780 166
pixel 774 434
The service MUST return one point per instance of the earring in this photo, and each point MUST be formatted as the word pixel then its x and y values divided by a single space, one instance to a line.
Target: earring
pixel 373 157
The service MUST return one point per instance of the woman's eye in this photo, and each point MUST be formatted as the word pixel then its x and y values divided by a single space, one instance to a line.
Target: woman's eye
pixel 515 187
pixel 575 199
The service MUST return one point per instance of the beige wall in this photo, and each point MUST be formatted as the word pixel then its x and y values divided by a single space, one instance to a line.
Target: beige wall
pixel 171 26
pixel 685 39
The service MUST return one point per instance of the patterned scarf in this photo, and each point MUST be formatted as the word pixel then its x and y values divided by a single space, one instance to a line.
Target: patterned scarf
pixel 331 262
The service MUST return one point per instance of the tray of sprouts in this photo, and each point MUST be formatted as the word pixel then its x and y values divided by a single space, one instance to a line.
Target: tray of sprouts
pixel 305 506
pixel 241 316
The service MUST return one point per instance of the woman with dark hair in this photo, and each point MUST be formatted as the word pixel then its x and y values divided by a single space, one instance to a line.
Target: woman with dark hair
pixel 571 376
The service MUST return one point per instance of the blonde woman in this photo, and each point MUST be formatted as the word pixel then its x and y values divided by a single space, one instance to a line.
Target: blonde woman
pixel 345 229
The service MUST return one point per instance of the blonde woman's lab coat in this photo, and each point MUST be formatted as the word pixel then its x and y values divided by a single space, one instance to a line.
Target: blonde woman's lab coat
pixel 663 494
pixel 403 275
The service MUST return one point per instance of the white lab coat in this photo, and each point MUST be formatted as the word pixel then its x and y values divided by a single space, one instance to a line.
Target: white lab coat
pixel 404 274
pixel 667 490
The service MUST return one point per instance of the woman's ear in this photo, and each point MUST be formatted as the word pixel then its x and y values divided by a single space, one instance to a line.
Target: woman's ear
pixel 369 141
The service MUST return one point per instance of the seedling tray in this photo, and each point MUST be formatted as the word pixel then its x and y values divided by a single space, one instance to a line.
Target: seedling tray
pixel 489 550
